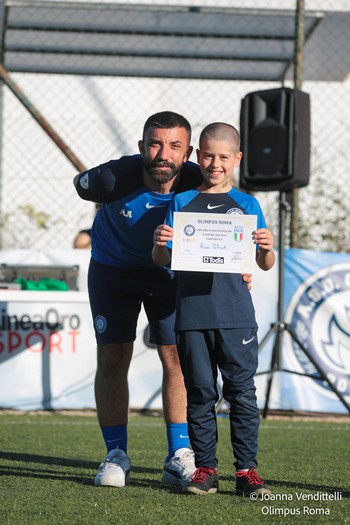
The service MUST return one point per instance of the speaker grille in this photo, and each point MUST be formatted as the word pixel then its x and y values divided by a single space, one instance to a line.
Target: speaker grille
pixel 275 140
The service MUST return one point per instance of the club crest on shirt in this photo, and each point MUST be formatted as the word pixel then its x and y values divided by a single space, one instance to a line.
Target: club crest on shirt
pixel 84 181
pixel 235 211
pixel 319 315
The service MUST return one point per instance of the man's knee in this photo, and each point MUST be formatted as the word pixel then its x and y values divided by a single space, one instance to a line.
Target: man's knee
pixel 114 358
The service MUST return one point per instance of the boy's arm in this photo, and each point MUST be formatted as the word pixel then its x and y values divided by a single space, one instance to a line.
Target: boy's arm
pixel 161 255
pixel 265 257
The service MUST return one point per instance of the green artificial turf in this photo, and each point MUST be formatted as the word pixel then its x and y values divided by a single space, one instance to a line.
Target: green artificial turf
pixel 48 463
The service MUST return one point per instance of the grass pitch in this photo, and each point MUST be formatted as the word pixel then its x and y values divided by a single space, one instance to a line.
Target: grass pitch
pixel 48 463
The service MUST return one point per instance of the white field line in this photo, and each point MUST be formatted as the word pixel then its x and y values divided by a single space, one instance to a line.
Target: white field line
pixel 268 426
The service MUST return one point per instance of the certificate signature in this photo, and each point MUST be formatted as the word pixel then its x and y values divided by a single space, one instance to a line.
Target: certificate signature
pixel 213 242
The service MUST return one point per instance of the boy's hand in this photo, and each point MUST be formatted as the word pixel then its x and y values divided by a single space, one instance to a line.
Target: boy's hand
pixel 265 256
pixel 162 234
pixel 264 239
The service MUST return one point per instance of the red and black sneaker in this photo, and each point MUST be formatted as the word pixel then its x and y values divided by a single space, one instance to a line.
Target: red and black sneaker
pixel 205 480
pixel 249 481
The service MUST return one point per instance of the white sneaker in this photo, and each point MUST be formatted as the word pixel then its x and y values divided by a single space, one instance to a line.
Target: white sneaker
pixel 178 470
pixel 114 471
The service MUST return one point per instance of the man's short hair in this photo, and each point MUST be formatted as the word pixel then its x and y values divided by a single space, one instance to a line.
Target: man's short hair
pixel 167 120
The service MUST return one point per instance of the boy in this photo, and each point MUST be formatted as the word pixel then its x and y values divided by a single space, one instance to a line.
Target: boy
pixel 215 322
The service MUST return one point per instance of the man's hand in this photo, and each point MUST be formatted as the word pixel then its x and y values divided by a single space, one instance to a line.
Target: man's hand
pixel 247 278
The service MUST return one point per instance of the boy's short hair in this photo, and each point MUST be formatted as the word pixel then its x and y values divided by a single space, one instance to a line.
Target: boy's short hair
pixel 167 120
pixel 221 131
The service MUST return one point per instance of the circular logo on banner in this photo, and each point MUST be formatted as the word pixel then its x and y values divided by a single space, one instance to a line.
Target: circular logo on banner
pixel 319 315
pixel 100 323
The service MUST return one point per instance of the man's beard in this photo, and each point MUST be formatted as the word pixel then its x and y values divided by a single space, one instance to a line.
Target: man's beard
pixel 160 176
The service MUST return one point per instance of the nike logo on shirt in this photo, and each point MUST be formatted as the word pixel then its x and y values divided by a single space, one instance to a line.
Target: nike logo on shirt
pixel 210 207
pixel 244 342
pixel 150 206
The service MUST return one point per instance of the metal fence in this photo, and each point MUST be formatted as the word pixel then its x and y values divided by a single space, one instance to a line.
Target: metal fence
pixel 86 76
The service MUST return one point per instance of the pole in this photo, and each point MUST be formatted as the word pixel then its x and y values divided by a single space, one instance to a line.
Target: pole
pixel 276 359
pixel 5 77
pixel 299 40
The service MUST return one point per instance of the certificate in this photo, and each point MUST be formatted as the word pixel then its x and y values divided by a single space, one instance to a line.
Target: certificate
pixel 213 242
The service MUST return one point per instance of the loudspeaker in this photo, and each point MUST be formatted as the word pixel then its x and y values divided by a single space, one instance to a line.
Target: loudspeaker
pixel 275 140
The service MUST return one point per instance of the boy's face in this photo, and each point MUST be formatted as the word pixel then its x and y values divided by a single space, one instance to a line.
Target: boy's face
pixel 217 160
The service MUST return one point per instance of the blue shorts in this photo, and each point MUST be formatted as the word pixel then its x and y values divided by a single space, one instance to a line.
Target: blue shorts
pixel 116 297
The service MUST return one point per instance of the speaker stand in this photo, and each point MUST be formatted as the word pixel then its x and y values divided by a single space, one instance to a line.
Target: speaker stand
pixel 280 326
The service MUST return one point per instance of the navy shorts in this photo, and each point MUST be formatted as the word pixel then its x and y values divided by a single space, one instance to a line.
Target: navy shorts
pixel 116 297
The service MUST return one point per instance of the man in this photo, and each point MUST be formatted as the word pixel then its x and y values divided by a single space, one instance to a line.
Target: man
pixel 135 193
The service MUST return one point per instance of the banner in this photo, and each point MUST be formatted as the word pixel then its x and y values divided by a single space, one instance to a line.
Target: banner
pixel 317 306
pixel 48 348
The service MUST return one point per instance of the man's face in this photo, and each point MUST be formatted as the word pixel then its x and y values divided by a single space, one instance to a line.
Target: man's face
pixel 164 151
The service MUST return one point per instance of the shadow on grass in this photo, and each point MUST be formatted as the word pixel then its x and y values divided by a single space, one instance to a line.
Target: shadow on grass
pixel 64 462
pixel 307 486
pixel 23 471
pixel 47 460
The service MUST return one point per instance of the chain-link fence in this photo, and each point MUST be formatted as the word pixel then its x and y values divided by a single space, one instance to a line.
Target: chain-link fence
pixel 95 86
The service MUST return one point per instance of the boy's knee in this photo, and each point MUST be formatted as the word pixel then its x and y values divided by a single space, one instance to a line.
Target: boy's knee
pixel 201 395
pixel 241 395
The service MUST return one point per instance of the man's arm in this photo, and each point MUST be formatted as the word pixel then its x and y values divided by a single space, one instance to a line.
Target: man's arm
pixel 109 181
pixel 96 184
